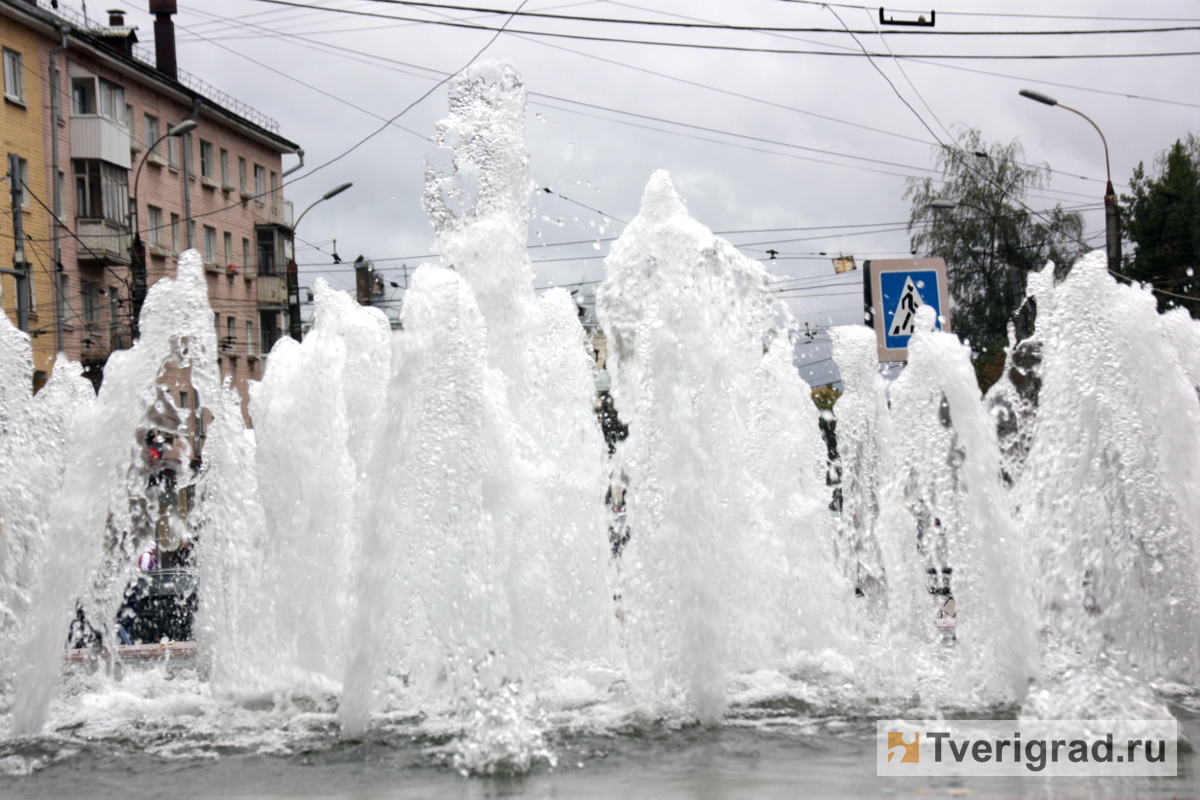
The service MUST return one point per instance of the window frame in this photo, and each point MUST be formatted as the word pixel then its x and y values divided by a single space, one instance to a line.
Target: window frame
pixel 14 76
pixel 154 230
pixel 210 249
pixel 206 160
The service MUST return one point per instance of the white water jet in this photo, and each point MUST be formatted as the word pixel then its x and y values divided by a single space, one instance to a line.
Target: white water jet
pixel 947 519
pixel 863 437
pixel 718 537
pixel 488 488
pixel 416 527
pixel 36 439
pixel 94 527
pixel 1111 489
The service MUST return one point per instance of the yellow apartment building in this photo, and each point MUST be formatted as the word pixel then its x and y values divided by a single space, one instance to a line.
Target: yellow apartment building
pixel 24 116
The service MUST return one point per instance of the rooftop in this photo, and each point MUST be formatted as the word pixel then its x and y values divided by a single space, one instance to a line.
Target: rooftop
pixel 146 56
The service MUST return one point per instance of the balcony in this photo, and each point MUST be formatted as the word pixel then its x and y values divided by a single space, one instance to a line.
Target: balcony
pixel 100 339
pixel 272 291
pixel 102 241
pixel 93 136
pixel 274 211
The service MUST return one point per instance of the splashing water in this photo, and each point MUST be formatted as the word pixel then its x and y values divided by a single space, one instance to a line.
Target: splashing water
pixel 415 533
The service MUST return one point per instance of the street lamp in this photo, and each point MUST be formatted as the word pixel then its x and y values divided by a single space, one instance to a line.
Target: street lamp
pixel 1112 212
pixel 137 260
pixel 293 277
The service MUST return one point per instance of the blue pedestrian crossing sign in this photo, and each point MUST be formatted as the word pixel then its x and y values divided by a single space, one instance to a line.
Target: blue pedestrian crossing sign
pixel 897 289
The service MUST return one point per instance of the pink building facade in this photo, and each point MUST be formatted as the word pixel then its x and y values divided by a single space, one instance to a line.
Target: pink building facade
pixel 126 193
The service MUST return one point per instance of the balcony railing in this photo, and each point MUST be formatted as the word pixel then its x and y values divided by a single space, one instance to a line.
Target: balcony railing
pixel 274 211
pixel 102 240
pixel 272 291
pixel 100 339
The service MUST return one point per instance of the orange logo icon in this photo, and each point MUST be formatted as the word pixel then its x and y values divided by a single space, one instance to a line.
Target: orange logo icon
pixel 904 751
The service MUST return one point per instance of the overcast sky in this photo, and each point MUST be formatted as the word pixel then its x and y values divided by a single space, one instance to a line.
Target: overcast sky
pixel 819 145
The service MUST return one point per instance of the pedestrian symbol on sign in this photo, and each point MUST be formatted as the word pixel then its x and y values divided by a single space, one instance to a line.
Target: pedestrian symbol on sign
pixel 903 321
pixel 895 290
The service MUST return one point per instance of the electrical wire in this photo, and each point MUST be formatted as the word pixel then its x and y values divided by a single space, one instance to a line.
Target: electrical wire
pixel 761 28
pixel 733 48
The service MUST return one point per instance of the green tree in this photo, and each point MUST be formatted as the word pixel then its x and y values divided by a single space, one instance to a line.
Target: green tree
pixel 1162 219
pixel 990 241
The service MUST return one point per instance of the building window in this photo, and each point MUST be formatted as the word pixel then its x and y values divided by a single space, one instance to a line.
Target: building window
pixel 90 291
pixel 154 218
pixel 64 306
pixel 198 414
pixel 83 96
pixel 266 251
pixel 208 168
pixel 274 194
pixel 101 190
pixel 241 173
pixel 19 169
pixel 187 411
pixel 14 76
pixel 245 254
pixel 249 338
pixel 112 102
pixel 224 167
pixel 150 128
pixel 210 245
pixel 175 234
pixel 230 332
pixel 228 249
pixel 260 183
pixel 173 151
pixel 268 331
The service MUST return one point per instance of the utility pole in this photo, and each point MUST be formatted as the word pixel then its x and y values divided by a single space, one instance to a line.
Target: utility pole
pixel 20 268
pixel 364 277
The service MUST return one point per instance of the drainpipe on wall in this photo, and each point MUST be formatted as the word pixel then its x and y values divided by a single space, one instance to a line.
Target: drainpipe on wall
pixel 187 175
pixel 55 115
pixel 290 170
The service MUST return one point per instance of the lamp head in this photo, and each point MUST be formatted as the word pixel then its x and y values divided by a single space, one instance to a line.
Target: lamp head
pixel 1041 98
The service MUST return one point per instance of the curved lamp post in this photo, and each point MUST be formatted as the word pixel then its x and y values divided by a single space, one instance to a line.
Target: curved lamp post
pixel 137 260
pixel 1112 212
pixel 293 277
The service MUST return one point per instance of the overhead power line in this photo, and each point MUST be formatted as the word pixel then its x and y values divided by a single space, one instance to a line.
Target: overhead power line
pixel 734 48
pixel 769 28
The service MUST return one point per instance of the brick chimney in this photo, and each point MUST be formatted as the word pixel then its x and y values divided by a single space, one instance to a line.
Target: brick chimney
pixel 164 37
pixel 116 36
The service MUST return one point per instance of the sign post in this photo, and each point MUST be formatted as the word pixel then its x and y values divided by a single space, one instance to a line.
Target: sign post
pixel 895 290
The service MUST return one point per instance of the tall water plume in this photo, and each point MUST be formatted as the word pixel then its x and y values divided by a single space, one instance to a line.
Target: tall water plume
pixel 489 489
pixel 863 436
pixel 946 520
pixel 1111 488
pixel 725 494
pixel 36 436
pixel 97 523
pixel 315 415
